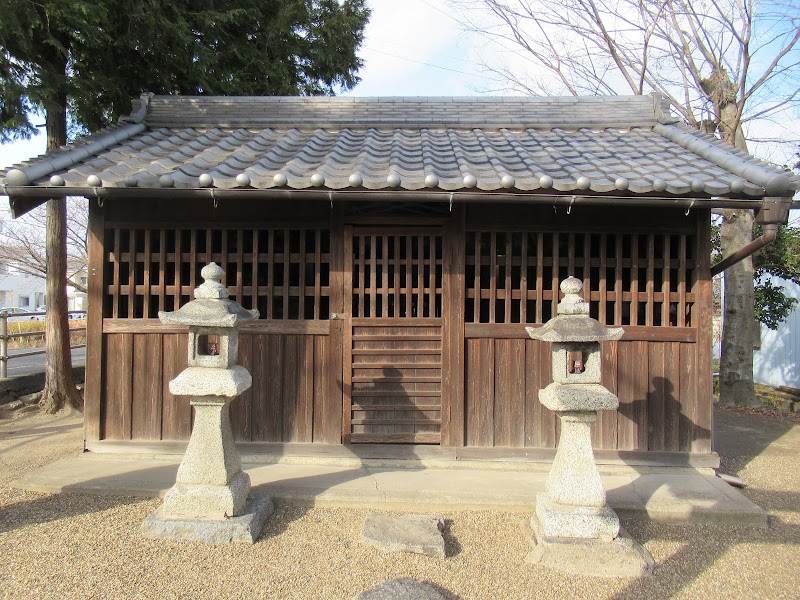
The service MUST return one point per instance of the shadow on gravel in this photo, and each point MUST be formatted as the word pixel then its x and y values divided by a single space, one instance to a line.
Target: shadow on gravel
pixel 45 509
pixel 29 436
pixel 697 554
pixel 286 512
pixel 739 438
pixel 452 547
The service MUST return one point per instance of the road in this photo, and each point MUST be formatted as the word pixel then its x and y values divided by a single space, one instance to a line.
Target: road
pixel 35 364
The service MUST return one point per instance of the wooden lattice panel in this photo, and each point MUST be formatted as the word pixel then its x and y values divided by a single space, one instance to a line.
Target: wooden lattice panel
pixel 629 279
pixel 283 272
pixel 396 274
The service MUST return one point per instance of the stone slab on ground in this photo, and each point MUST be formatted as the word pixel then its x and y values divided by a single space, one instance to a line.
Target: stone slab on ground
pixel 418 534
pixel 403 588
pixel 624 557
pixel 243 528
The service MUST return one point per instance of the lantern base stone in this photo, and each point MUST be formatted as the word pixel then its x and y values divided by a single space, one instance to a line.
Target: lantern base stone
pixel 623 557
pixel 559 521
pixel 196 501
pixel 245 528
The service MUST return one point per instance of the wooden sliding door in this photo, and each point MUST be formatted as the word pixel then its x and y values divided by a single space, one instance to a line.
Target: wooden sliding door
pixel 393 335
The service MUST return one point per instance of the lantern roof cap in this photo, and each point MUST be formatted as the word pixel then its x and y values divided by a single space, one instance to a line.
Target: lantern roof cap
pixel 211 306
pixel 573 323
pixel 574 328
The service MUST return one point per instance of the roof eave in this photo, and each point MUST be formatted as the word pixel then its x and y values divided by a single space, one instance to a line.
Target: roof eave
pixel 25 198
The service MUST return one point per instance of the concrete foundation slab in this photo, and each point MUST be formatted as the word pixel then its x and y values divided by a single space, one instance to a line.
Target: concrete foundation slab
pixel 244 528
pixel 624 557
pixel 687 496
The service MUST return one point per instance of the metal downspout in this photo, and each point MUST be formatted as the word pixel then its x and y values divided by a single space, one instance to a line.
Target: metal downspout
pixel 773 212
pixel 769 235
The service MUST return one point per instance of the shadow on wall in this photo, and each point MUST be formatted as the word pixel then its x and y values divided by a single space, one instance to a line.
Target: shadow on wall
pixel 654 419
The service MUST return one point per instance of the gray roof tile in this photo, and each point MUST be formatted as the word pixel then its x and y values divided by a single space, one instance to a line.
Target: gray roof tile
pixel 602 139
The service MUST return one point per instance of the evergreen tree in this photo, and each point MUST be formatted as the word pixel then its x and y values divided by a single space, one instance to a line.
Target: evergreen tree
pixel 80 62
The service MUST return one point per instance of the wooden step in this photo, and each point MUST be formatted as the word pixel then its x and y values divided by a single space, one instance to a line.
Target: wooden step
pixel 395 393
pixel 396 365
pixel 396 422
pixel 399 438
pixel 420 407
pixel 372 379
pixel 399 351
pixel 397 338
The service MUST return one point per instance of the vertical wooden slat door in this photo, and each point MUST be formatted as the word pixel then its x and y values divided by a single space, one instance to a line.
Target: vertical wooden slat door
pixel 393 336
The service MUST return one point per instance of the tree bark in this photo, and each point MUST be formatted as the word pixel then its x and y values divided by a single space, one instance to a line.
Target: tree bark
pixel 738 319
pixel 736 361
pixel 59 387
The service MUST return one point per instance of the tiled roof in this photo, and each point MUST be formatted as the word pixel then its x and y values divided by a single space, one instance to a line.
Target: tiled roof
pixel 615 146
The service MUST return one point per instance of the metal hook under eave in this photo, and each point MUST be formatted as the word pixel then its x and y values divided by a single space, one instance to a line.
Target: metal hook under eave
pixel 330 197
pixel 99 199
pixel 214 198
pixel 451 201
pixel 571 202
pixel 691 204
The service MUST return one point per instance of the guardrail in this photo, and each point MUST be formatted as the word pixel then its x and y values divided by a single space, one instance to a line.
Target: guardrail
pixel 5 337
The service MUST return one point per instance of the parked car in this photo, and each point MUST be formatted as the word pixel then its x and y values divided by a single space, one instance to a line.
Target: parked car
pixel 19 314
pixel 79 316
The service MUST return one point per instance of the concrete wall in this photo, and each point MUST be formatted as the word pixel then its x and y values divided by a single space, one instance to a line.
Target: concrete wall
pixel 778 361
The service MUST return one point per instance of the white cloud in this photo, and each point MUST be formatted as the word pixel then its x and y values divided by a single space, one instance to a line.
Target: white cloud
pixel 400 38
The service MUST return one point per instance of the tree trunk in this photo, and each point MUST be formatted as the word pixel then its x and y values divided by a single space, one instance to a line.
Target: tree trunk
pixel 736 362
pixel 736 230
pixel 59 385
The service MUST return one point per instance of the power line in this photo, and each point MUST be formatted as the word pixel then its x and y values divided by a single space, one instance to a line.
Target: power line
pixel 427 64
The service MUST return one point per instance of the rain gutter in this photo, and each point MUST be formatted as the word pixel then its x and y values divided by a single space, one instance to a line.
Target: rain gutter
pixel 216 195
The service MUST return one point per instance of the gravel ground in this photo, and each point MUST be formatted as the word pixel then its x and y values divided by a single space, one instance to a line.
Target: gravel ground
pixel 71 546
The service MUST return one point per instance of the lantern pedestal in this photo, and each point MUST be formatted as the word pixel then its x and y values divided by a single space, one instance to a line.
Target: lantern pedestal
pixel 574 503
pixel 210 482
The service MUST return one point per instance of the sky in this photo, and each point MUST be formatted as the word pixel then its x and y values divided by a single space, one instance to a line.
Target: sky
pixel 418 48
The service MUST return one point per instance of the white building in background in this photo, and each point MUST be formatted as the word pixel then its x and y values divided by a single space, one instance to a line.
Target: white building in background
pixel 21 290
pixel 77 300
pixel 777 362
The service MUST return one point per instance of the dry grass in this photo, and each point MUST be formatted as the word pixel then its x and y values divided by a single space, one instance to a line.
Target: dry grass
pixel 37 341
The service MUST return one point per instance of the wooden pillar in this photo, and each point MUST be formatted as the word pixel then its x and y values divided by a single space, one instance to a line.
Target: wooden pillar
pixel 702 320
pixel 453 330
pixel 328 418
pixel 93 395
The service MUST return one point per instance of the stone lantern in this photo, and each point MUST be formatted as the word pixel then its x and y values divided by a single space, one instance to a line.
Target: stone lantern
pixel 575 528
pixel 209 501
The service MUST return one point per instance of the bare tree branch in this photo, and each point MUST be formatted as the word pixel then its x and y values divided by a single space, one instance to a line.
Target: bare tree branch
pixel 22 243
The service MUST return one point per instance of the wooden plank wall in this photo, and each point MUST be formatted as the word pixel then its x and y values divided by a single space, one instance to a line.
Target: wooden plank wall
pixel 653 379
pixel 288 375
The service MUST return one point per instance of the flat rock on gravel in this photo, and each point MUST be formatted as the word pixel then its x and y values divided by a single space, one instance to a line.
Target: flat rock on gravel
pixel 403 588
pixel 420 534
